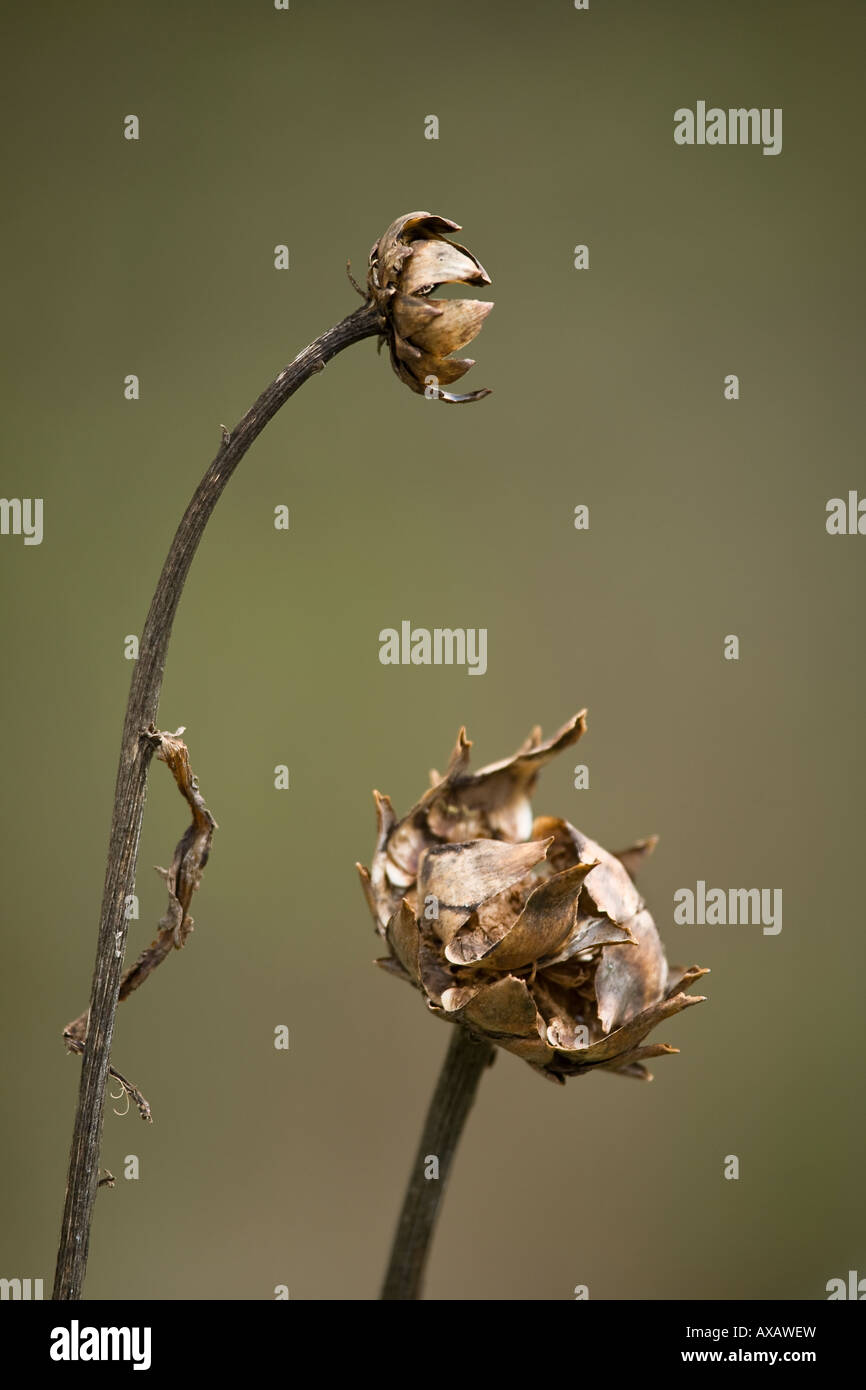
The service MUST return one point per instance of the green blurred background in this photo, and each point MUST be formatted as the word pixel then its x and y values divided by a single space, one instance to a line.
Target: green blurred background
pixel 707 518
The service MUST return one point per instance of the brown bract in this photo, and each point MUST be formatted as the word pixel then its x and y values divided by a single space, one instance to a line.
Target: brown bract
pixel 523 929
pixel 406 265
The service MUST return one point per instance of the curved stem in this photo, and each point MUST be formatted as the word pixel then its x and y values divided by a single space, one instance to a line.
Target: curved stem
pixel 465 1061
pixel 129 794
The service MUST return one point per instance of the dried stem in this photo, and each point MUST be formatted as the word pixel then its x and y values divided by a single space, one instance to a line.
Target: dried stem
pixel 135 754
pixel 182 880
pixel 465 1061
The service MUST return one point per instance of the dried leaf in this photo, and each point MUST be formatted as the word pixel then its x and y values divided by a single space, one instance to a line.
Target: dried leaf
pixel 182 879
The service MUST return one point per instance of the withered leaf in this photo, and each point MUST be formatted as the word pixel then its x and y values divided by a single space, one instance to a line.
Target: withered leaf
pixel 182 879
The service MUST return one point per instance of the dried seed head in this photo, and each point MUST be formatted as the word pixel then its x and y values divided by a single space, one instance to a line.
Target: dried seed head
pixel 406 265
pixel 525 930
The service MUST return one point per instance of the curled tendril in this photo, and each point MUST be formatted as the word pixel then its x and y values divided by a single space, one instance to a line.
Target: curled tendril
pixel 122 1093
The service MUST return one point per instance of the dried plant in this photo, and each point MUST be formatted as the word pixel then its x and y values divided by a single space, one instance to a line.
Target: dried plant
pixel 406 265
pixel 385 315
pixel 523 931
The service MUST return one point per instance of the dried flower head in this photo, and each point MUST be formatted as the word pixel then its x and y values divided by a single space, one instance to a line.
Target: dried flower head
pixel 525 930
pixel 406 264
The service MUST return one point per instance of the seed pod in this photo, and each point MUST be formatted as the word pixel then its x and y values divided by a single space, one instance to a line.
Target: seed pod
pixel 524 930
pixel 406 265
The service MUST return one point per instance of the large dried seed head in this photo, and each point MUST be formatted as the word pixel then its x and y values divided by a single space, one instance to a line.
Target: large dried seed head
pixel 406 264
pixel 524 930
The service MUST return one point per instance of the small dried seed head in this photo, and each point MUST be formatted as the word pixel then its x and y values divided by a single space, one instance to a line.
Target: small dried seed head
pixel 406 265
